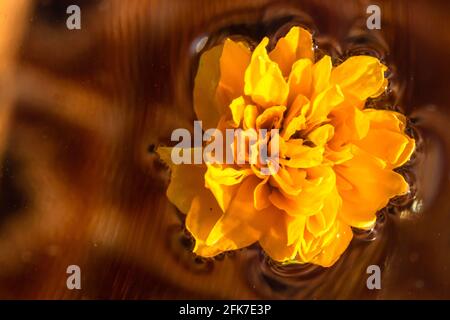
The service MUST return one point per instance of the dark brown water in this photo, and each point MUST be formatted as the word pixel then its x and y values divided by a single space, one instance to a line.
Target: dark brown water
pixel 81 183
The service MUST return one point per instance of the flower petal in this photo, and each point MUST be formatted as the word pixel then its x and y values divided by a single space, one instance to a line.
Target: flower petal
pixel 300 79
pixel 301 156
pixel 360 76
pixel 297 44
pixel 321 135
pixel 271 118
pixel 285 181
pixel 295 229
pixel 362 198
pixel 323 104
pixel 242 222
pixel 250 115
pixel 185 181
pixel 386 138
pixel 201 218
pixel 261 195
pixel 321 222
pixel 321 72
pixel 350 124
pixel 224 182
pixel 334 244
pixel 295 119
pixel 275 239
pixel 264 81
pixel 237 107
pixel 234 61
pixel 300 196
pixel 338 156
pixel 207 78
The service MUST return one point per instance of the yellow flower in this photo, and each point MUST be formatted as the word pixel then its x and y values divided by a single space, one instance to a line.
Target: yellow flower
pixel 336 156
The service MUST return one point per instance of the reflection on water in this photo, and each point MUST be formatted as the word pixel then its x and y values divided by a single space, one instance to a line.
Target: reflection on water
pixel 92 191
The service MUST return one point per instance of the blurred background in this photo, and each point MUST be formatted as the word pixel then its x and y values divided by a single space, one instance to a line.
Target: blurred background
pixel 82 111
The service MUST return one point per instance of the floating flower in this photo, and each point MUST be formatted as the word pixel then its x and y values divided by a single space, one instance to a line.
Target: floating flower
pixel 336 157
